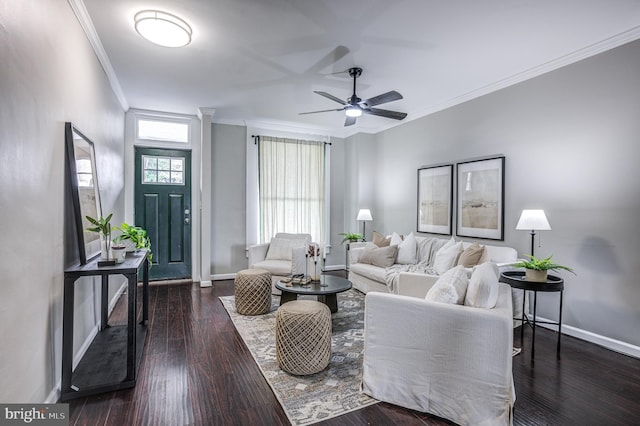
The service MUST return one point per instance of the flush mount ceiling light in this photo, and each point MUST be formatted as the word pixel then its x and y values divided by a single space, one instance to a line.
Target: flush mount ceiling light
pixel 163 28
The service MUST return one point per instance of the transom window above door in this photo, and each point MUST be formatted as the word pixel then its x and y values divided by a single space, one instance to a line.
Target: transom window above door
pixel 162 130
pixel 162 170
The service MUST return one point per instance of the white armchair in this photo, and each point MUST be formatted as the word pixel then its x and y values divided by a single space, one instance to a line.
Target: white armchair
pixel 283 256
pixel 450 360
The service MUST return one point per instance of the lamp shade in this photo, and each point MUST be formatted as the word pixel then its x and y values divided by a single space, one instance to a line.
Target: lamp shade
pixel 534 220
pixel 364 214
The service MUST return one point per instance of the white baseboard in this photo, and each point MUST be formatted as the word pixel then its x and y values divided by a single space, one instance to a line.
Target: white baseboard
pixel 220 277
pixel 54 396
pixel 114 301
pixel 206 283
pixel 85 345
pixel 96 328
pixel 607 342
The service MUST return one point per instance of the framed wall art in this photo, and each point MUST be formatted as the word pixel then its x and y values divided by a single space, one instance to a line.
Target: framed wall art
pixel 435 199
pixel 480 198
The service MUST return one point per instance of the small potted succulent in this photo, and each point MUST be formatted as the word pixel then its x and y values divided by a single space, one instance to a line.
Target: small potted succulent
pixel 536 269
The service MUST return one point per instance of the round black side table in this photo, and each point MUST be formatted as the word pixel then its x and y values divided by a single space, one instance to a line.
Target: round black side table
pixel 516 279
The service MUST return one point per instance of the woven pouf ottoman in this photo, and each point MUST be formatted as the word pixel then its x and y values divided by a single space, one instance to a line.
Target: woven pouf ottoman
pixel 303 337
pixel 253 291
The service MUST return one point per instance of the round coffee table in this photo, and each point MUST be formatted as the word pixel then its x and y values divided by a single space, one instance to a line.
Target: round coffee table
pixel 326 289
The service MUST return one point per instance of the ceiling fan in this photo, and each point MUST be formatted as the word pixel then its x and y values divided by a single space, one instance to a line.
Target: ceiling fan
pixel 354 106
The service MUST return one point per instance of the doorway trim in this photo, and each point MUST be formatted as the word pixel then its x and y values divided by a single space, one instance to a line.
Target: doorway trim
pixel 200 268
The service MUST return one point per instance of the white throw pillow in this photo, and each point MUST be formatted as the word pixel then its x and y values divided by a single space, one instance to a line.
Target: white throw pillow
pixel 449 243
pixel 451 287
pixel 396 239
pixel 282 248
pixel 447 257
pixel 482 291
pixel 407 249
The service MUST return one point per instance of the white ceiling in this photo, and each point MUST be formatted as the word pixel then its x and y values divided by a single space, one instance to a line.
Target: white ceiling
pixel 259 61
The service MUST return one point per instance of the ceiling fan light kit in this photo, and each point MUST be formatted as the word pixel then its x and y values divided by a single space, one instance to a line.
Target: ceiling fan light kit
pixel 354 106
pixel 163 28
pixel 353 111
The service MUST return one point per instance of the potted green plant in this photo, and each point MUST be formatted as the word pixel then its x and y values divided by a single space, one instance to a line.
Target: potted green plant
pixel 102 226
pixel 351 237
pixel 118 249
pixel 536 269
pixel 138 237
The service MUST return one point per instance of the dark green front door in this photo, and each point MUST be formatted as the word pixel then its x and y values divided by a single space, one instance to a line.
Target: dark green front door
pixel 163 208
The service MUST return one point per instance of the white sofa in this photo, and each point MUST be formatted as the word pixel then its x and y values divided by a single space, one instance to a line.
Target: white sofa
pixel 366 277
pixel 450 360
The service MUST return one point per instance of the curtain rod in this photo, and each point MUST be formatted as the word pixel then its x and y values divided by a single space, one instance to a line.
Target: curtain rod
pixel 256 139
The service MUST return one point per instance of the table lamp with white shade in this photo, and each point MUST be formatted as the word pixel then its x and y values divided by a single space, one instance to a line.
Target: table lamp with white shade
pixel 533 220
pixel 364 215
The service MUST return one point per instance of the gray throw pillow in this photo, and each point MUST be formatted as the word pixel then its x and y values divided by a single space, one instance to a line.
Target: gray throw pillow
pixel 382 257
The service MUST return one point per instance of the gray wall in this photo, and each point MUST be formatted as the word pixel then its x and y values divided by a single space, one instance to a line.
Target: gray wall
pixel 49 74
pixel 570 138
pixel 228 198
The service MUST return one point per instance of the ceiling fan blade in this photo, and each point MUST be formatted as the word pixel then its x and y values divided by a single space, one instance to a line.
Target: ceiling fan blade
pixel 350 121
pixel 385 113
pixel 324 110
pixel 328 96
pixel 382 99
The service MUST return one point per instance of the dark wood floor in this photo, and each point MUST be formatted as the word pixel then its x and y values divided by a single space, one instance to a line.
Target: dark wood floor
pixel 197 371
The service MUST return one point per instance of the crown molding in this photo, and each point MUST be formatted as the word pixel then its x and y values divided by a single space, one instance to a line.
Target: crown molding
pixel 202 111
pixel 80 10
pixel 562 61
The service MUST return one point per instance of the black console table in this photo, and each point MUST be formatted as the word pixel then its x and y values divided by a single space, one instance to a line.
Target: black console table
pixel 111 361
pixel 516 279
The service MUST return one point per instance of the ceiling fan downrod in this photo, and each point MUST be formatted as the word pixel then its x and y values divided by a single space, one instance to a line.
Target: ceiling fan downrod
pixel 354 72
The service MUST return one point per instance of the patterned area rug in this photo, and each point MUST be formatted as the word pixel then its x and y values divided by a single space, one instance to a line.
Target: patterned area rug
pixel 330 393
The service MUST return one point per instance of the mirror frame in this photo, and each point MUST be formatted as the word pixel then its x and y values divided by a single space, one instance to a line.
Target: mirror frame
pixel 74 140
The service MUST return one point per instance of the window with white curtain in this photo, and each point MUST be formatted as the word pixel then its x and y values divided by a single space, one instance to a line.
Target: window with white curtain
pixel 291 187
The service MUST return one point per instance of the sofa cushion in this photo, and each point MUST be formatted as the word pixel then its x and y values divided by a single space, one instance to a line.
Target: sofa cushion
pixel 407 248
pixel 379 256
pixel 276 267
pixel 380 240
pixel 471 255
pixel 451 287
pixel 366 270
pixel 281 248
pixel 482 291
pixel 447 257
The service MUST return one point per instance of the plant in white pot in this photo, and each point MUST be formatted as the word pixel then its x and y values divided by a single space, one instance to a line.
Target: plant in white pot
pixel 137 236
pixel 352 237
pixel 118 249
pixel 536 269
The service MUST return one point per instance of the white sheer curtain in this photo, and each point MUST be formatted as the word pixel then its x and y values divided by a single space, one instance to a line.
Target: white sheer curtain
pixel 291 187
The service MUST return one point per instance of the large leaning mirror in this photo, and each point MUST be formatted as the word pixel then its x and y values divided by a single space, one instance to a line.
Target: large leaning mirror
pixel 84 187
